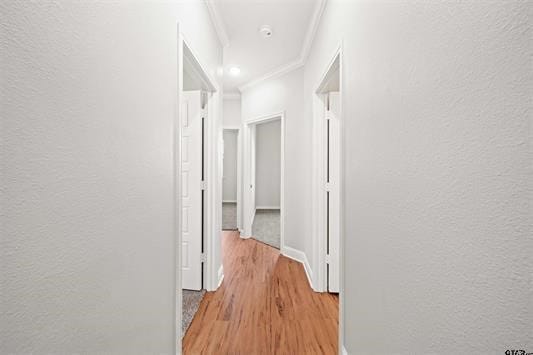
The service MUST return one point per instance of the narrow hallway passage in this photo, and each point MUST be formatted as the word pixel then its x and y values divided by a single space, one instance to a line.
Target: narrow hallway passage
pixel 264 306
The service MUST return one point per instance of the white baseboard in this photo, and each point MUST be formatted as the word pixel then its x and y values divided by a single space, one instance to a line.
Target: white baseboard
pixel 245 236
pixel 267 208
pixel 220 275
pixel 344 351
pixel 229 201
pixel 299 256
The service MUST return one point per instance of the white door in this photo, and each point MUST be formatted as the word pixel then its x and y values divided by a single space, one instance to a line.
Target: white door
pixel 192 194
pixel 333 191
pixel 252 172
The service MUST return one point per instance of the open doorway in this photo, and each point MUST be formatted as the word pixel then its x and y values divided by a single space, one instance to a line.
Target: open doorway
pixel 267 219
pixel 264 174
pixel 328 179
pixel 231 179
pixel 328 182
pixel 195 186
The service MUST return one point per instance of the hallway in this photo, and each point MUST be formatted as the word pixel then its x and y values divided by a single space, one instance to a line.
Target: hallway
pixel 264 306
pixel 398 147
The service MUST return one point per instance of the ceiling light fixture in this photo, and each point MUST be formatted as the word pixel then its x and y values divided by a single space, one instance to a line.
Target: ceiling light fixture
pixel 265 31
pixel 234 71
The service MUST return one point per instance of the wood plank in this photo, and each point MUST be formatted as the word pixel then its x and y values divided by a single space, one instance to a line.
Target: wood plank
pixel 264 306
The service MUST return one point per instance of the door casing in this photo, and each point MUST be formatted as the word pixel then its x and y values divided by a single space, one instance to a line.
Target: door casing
pixel 213 191
pixel 239 174
pixel 249 175
pixel 319 181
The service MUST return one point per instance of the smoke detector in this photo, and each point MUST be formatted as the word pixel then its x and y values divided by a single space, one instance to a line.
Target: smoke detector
pixel 265 31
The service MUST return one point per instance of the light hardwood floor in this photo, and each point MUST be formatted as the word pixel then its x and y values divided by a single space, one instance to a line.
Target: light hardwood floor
pixel 264 306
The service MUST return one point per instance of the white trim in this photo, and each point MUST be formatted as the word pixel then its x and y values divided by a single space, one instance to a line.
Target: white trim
pixel 267 208
pixel 319 142
pixel 319 211
pixel 344 351
pixel 253 219
pixel 299 256
pixel 229 201
pixel 213 227
pixel 311 30
pixel 176 179
pixel 284 69
pixel 218 23
pixel 199 67
pixel 304 53
pixel 234 128
pixel 232 96
pixel 239 178
pixel 220 275
pixel 266 118
pixel 247 209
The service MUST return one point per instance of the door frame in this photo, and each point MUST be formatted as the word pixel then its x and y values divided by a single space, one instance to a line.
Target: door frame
pixel 239 173
pixel 319 181
pixel 213 189
pixel 248 210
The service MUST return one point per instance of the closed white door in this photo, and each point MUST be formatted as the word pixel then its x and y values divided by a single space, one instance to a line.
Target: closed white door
pixel 192 117
pixel 333 191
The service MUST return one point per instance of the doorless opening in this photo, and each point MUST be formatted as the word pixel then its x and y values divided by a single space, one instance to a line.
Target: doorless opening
pixel 250 175
pixel 328 182
pixel 328 197
pixel 231 179
pixel 195 186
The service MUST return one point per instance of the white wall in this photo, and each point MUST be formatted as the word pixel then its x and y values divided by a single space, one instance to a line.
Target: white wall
pixel 437 108
pixel 229 186
pixel 268 164
pixel 87 104
pixel 232 113
pixel 285 94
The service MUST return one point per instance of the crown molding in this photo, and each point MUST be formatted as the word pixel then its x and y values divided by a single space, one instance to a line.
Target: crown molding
pixel 284 69
pixel 311 30
pixel 220 29
pixel 232 96
pixel 306 48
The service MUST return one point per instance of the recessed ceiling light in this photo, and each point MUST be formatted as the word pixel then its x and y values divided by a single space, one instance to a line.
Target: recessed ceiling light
pixel 234 71
pixel 265 31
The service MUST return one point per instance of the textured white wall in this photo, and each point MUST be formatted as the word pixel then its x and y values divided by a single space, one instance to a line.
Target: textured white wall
pixel 230 165
pixel 232 113
pixel 437 100
pixel 268 164
pixel 285 94
pixel 87 104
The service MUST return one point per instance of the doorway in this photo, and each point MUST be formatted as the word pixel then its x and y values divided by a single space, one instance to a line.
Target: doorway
pixel 267 172
pixel 328 177
pixel 196 186
pixel 264 180
pixel 231 179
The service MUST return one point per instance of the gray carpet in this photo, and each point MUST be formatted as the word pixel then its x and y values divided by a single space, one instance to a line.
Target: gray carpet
pixel 191 302
pixel 266 227
pixel 229 216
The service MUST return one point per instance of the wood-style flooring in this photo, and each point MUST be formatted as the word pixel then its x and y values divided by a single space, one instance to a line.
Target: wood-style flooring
pixel 264 306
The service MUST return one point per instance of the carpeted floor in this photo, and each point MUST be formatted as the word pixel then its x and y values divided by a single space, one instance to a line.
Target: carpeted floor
pixel 266 227
pixel 191 302
pixel 229 216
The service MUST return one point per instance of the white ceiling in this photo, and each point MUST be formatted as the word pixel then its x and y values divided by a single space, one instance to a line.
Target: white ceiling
pixel 293 23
